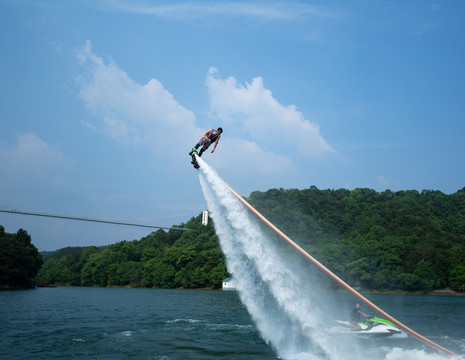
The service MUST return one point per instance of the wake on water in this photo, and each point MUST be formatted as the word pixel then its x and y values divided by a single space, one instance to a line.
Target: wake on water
pixel 279 291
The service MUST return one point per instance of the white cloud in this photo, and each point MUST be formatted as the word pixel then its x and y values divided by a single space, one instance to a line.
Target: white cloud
pixel 132 113
pixel 30 159
pixel 254 110
pixel 250 168
pixel 249 157
pixel 257 126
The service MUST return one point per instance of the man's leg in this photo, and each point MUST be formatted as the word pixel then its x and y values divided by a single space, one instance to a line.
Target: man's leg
pixel 194 149
pixel 205 146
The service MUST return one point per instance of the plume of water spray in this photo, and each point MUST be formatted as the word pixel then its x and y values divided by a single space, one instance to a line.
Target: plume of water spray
pixel 274 290
pixel 277 289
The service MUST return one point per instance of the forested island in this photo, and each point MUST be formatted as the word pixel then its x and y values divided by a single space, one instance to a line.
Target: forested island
pixel 383 241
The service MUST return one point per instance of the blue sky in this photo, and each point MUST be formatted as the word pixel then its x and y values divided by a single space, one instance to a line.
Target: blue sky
pixel 101 101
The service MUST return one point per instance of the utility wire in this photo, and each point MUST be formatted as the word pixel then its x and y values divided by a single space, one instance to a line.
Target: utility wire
pixel 89 219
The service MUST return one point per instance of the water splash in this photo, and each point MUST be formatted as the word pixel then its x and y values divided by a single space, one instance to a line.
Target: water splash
pixel 273 286
pixel 280 290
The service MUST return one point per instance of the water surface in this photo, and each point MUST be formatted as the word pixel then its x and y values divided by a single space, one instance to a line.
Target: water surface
pixel 119 323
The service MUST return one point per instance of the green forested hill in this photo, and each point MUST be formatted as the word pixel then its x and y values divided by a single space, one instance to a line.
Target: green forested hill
pixel 403 240
pixel 189 259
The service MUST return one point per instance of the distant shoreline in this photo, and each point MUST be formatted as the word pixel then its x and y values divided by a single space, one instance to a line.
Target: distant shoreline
pixel 439 292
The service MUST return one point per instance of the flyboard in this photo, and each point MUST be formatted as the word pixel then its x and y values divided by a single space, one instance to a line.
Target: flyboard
pixel 194 162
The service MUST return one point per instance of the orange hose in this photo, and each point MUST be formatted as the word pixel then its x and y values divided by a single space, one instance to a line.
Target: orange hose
pixel 340 281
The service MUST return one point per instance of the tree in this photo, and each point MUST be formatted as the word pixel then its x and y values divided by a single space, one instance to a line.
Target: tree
pixel 19 260
pixel 405 240
pixel 457 278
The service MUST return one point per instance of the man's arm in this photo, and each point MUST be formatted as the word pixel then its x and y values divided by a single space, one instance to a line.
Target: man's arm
pixel 216 143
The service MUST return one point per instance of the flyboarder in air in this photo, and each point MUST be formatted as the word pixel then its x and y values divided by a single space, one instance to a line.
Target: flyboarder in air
pixel 209 137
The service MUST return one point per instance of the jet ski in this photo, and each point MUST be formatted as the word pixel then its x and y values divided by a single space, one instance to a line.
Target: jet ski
pixel 373 327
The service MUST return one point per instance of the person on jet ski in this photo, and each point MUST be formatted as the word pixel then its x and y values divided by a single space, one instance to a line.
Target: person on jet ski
pixel 211 136
pixel 355 317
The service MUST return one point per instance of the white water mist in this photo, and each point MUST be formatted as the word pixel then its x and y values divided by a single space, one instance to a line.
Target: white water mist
pixel 280 293
pixel 275 292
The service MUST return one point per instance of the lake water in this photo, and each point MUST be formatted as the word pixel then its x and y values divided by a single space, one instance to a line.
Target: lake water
pixel 119 323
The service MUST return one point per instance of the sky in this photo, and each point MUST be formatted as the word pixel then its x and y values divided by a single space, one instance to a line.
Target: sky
pixel 101 101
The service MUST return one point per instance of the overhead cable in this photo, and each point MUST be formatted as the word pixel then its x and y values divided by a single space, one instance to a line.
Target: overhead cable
pixel 90 219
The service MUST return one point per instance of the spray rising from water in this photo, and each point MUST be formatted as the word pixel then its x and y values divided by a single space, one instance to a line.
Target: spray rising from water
pixel 281 293
pixel 273 287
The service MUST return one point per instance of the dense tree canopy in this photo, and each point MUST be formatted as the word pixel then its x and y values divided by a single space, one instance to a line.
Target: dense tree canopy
pixel 19 260
pixel 405 240
pixel 188 259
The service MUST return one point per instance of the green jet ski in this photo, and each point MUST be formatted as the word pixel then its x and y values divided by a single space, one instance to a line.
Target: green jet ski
pixel 374 327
